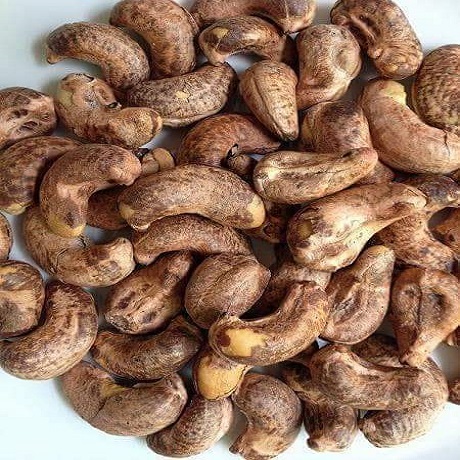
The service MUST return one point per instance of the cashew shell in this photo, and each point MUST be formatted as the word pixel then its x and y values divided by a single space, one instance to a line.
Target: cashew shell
pixel 6 238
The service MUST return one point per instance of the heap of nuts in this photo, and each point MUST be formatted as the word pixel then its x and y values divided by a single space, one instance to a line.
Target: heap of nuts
pixel 348 207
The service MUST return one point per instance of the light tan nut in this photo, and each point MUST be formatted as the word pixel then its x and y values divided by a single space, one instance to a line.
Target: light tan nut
pixel 273 413
pixel 298 177
pixel 246 34
pixel 290 15
pixel 188 98
pixel 25 113
pixel 435 91
pixel 148 357
pixel 384 32
pixel 224 284
pixel 268 89
pixel 329 59
pixel 76 260
pixel 449 231
pixel 75 176
pixel 425 309
pixel 149 298
pixel 166 27
pixel 6 238
pixel 192 189
pixel 360 296
pixel 454 391
pixel 66 335
pixel 330 233
pixel 202 424
pixel 299 320
pixel 122 60
pixel 402 139
pixel 23 166
pixel 123 411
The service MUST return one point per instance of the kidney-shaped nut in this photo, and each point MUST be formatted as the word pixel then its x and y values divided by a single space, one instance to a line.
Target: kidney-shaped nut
pixel 24 113
pixel 123 411
pixel 69 330
pixel 330 233
pixel 6 238
pixel 74 177
pixel 268 89
pixel 298 177
pixel 329 59
pixel 122 60
pixel 148 357
pixel 403 141
pixel 168 29
pixel 188 98
pixel 202 424
pixel 449 231
pixel 384 32
pixel 75 260
pixel 273 413
pixel 192 189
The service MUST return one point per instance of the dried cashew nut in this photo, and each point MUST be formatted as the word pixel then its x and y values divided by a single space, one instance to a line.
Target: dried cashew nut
pixel 449 231
pixel 6 238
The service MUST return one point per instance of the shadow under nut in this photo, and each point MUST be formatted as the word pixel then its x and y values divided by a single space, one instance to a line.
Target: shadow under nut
pixel 123 62
pixel 6 238
pixel 69 330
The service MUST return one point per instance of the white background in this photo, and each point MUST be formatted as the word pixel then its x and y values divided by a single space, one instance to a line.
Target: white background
pixel 36 423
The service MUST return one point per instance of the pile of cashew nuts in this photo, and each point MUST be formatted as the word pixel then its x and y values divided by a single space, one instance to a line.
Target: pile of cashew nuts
pixel 345 191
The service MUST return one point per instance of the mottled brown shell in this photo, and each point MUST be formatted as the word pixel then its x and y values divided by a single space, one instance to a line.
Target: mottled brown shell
pixel 6 238
pixel 449 231
pixel 454 391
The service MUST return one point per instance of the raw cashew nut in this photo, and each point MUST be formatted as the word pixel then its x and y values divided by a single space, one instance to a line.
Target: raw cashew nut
pixel 384 32
pixel 168 29
pixel 151 357
pixel 69 330
pixel 122 60
pixel 202 424
pixel 24 113
pixel 449 231
pixel 75 260
pixel 136 411
pixel 330 233
pixel 329 59
pixel 74 177
pixel 6 238
pixel 188 98
pixel 149 298
pixel 273 413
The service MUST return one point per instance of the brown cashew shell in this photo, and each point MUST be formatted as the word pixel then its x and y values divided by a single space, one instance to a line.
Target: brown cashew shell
pixel 25 113
pixel 148 357
pixel 453 339
pixel 6 238
pixel 64 338
pixel 188 98
pixel 449 231
pixel 123 411
pixel 454 391
pixel 122 60
pixel 167 28
pixel 384 33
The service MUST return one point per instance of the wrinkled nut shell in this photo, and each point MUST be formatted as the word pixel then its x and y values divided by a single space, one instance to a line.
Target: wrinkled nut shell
pixel 6 238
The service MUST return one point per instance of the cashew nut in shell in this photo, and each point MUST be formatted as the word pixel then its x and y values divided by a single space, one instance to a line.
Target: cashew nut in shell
pixel 6 238
pixel 449 231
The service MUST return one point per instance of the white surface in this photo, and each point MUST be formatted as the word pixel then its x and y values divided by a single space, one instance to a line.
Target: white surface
pixel 35 421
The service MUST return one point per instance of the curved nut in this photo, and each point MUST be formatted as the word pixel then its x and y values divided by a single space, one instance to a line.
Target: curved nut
pixel 384 32
pixel 149 298
pixel 22 293
pixel 25 113
pixel 298 177
pixel 246 34
pixel 449 231
pixel 273 414
pixel 360 296
pixel 224 284
pixel 6 238
pixel 329 59
pixel 69 330
pixel 425 309
pixel 23 166
pixel 166 27
pixel 202 424
pixel 268 89
pixel 454 391
pixel 74 177
pixel 107 406
pixel 296 324
pixel 403 141
pixel 330 233
pixel 148 358
pixel 188 98
pixel 192 189
pixel 75 260
pixel 122 61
